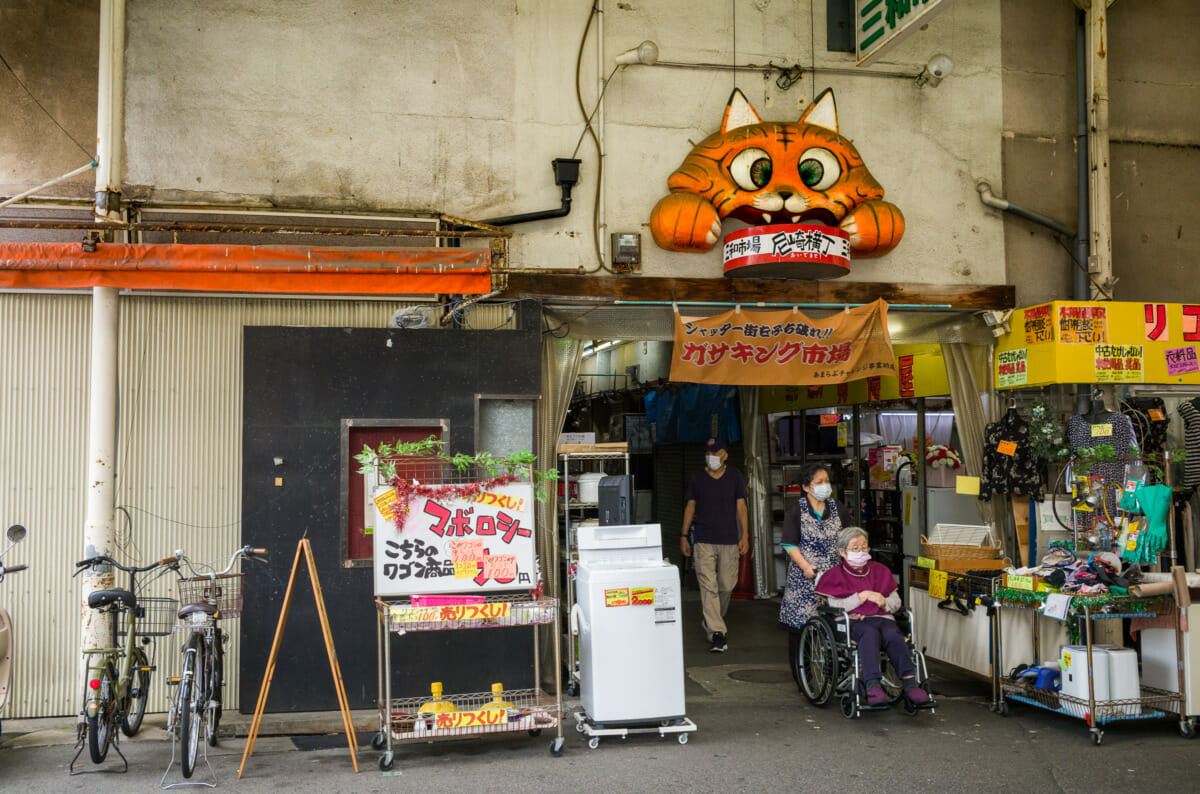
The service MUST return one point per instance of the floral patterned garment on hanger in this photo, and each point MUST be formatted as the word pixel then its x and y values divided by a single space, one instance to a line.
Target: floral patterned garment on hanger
pixel 1009 463
pixel 1119 434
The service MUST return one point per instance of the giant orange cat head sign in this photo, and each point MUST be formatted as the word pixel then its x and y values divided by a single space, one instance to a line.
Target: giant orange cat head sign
pixel 802 187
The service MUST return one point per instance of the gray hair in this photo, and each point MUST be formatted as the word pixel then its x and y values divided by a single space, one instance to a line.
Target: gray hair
pixel 848 534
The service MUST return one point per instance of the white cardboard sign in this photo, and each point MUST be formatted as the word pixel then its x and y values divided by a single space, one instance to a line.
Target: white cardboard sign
pixel 459 545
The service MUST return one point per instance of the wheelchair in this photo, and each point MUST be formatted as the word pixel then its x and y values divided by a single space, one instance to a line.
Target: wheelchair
pixel 828 665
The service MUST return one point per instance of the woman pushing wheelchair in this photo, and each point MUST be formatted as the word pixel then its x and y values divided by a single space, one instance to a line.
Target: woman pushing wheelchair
pixel 867 591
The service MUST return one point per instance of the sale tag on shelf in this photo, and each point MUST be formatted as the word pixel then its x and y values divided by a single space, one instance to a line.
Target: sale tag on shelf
pixel 466 570
pixel 476 611
pixel 926 562
pixel 937 584
pixel 1020 582
pixel 1007 448
pixel 415 614
pixel 829 420
pixel 471 719
pixel 1099 431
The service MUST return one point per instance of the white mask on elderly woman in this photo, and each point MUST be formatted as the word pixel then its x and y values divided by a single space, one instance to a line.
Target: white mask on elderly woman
pixel 858 558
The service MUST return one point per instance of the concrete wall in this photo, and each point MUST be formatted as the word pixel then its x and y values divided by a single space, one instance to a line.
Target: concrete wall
pixel 1154 71
pixel 460 106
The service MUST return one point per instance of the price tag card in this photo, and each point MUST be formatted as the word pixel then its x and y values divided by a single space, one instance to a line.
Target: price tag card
pixel 618 597
pixel 1007 448
pixel 937 584
pixel 466 570
pixel 1099 431
pixel 966 485
pixel 830 420
pixel 1157 415
pixel 926 562
pixel 471 719
pixel 1020 582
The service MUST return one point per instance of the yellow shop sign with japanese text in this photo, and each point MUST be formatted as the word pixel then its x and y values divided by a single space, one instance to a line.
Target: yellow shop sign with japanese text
pixel 1100 342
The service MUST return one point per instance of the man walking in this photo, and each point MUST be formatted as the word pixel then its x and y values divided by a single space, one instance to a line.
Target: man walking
pixel 716 499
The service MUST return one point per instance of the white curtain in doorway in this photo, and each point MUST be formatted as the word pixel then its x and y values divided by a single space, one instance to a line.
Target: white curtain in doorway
pixel 560 370
pixel 758 498
pixel 968 368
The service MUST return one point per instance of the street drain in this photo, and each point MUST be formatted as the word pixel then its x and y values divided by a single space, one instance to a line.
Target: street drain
pixel 755 675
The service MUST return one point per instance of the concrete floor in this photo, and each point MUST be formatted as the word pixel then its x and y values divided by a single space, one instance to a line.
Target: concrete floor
pixel 755 733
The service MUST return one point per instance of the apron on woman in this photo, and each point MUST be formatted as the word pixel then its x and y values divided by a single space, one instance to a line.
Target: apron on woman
pixel 818 544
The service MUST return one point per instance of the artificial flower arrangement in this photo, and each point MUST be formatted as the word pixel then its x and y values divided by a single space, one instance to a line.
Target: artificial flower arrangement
pixel 941 456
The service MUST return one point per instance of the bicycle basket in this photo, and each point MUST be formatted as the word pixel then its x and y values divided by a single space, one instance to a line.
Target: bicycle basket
pixel 157 618
pixel 224 592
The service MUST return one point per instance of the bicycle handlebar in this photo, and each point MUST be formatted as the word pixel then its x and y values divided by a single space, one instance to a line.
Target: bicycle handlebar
pixel 90 561
pixel 211 571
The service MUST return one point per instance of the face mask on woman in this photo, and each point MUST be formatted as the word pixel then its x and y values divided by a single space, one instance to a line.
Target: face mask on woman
pixel 858 558
pixel 822 491
pixel 713 461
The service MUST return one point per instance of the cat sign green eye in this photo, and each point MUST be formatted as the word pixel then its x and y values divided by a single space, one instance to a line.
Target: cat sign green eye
pixel 751 169
pixel 819 169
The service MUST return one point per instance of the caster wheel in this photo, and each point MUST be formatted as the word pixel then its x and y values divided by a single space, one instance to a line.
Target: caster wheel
pixel 573 689
pixel 683 738
pixel 579 727
pixel 1002 709
pixel 1097 737
pixel 1187 729
pixel 849 707
pixel 385 762
pixel 378 741
pixel 535 732
pixel 556 747
pixel 909 708
pixel 594 742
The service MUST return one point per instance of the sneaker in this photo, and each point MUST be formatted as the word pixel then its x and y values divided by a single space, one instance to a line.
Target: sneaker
pixel 876 696
pixel 718 644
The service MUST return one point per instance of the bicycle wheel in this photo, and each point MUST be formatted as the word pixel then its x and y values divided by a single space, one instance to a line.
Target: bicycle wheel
pixel 216 657
pixel 191 704
pixel 139 694
pixel 98 726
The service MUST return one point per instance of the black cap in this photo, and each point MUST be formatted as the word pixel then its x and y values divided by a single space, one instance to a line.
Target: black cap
pixel 715 445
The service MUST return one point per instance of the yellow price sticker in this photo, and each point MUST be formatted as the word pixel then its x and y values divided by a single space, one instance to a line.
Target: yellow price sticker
pixel 466 570
pixel 1101 430
pixel 926 562
pixel 937 584
pixel 1020 582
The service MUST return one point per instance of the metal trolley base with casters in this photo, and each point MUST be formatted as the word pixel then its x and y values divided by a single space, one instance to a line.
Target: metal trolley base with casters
pixel 680 727
pixel 532 710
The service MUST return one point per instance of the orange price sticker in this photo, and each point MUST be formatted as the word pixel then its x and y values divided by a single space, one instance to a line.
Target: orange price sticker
pixel 830 420
pixel 501 567
pixel 618 597
pixel 466 550
pixel 384 502
pixel 1157 415
pixel 1007 448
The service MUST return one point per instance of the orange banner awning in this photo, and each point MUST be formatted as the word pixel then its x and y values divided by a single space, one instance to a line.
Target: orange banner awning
pixel 247 268
pixel 783 348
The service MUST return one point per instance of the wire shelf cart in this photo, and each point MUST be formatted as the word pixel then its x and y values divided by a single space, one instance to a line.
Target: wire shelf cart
pixel 1151 704
pixel 532 710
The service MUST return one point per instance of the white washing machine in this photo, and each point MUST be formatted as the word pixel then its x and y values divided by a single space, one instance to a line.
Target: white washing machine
pixel 628 614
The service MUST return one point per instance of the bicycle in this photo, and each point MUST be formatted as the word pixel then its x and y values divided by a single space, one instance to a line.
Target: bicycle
pixel 205 597
pixel 113 699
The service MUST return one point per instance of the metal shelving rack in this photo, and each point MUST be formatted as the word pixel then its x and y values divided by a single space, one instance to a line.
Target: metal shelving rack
pixel 577 509
pixel 1153 703
pixel 532 710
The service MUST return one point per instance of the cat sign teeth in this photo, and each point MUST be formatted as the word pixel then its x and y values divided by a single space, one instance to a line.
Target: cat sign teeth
pixel 766 217
pixel 795 219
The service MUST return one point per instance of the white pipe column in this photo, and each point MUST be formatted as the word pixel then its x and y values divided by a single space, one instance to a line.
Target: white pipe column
pixel 1100 260
pixel 110 110
pixel 99 536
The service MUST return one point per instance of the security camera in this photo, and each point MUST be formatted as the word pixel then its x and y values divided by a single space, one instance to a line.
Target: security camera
pixel 935 71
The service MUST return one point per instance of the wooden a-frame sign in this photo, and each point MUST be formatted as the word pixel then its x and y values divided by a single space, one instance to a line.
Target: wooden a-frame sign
pixel 306 549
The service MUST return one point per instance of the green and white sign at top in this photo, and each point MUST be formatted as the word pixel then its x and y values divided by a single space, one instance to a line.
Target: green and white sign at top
pixel 879 23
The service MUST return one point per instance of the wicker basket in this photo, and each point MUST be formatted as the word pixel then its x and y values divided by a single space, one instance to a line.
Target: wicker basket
pixel 959 551
pixel 224 592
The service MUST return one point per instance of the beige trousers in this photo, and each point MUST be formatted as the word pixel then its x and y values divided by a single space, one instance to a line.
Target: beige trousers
pixel 716 573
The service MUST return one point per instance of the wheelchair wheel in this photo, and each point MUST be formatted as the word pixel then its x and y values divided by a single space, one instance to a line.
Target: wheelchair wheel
pixel 849 707
pixel 817 661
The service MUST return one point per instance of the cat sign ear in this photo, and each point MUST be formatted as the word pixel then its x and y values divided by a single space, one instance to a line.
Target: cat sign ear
pixel 738 113
pixel 823 112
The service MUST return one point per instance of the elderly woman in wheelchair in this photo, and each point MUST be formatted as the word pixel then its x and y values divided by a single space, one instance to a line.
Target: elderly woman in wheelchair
pixel 858 644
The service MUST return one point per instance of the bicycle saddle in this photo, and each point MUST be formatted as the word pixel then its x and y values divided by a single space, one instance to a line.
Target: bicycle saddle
pixel 102 598
pixel 191 609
